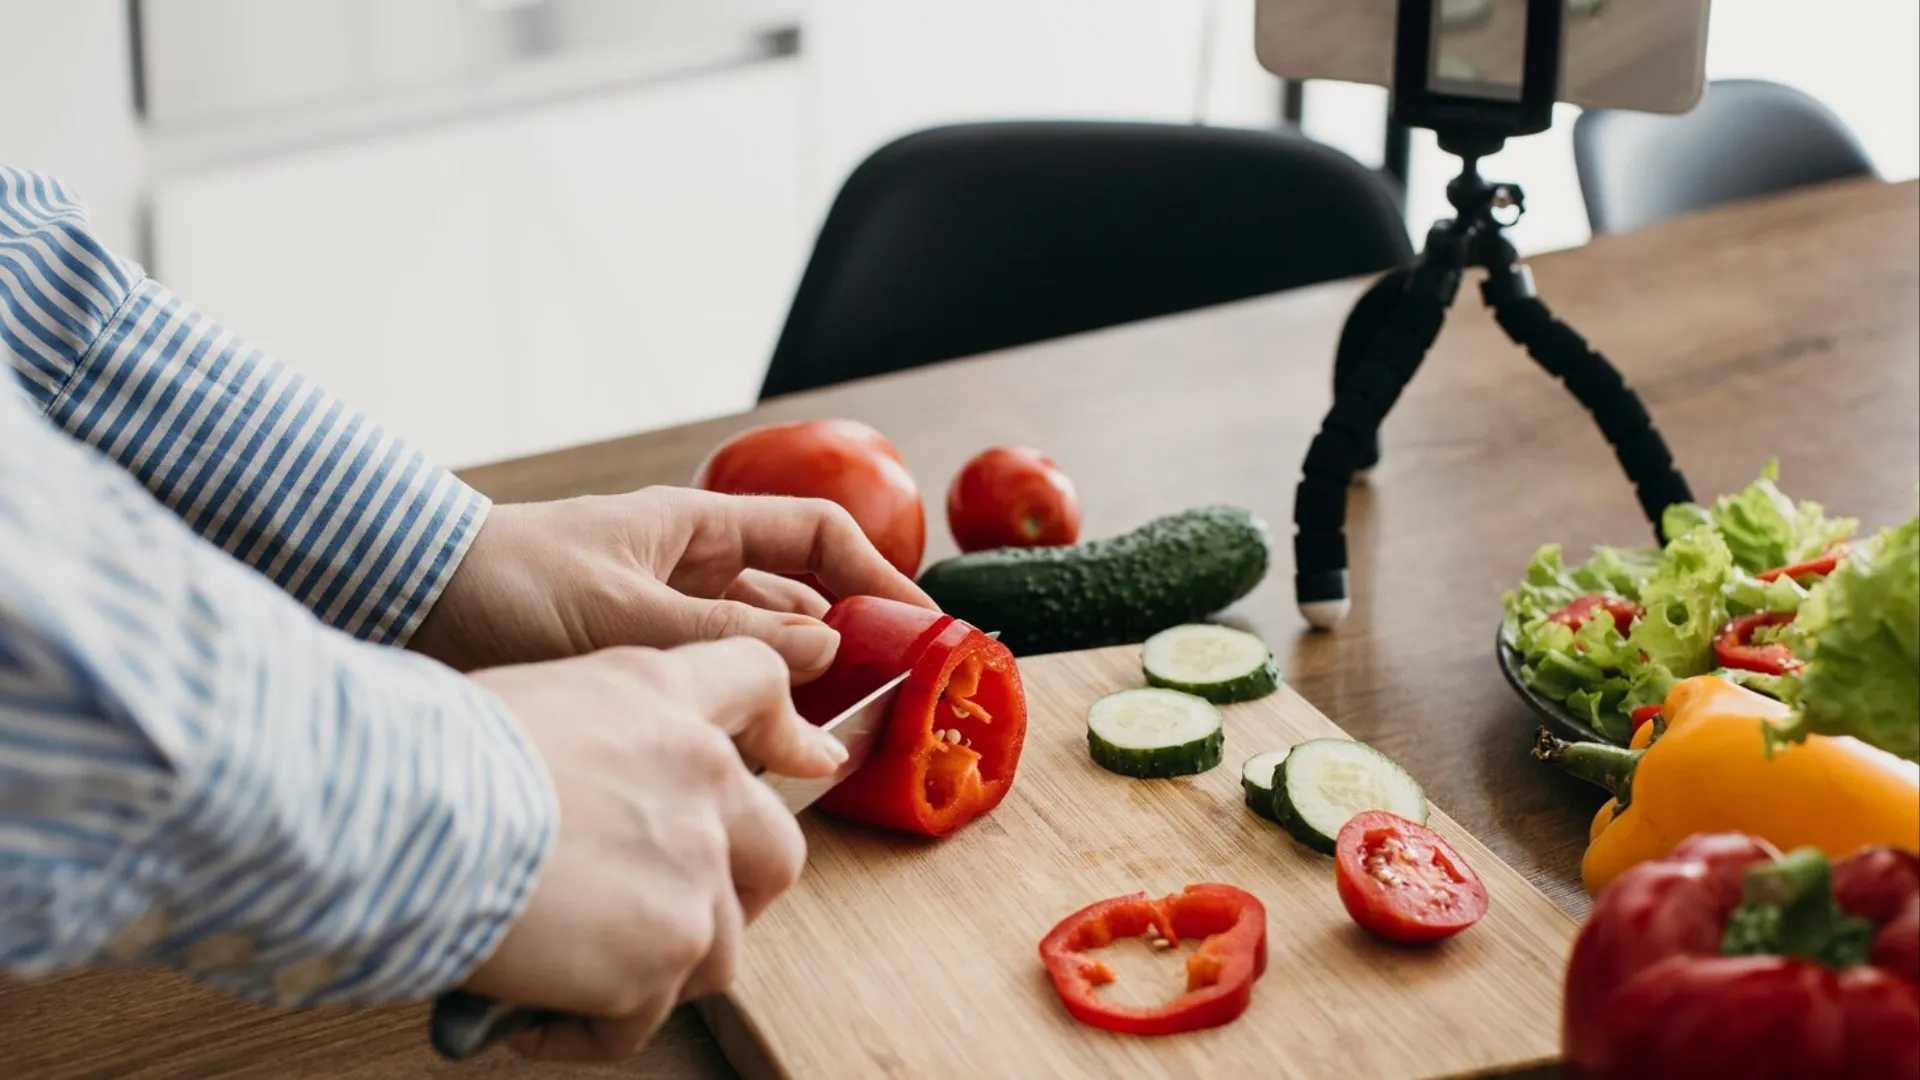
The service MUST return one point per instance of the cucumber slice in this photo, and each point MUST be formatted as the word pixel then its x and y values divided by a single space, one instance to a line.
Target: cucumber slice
pixel 1154 733
pixel 1256 778
pixel 1218 663
pixel 1324 782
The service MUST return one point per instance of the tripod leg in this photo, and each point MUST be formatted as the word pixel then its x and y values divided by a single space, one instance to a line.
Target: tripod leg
pixel 1369 314
pixel 1618 411
pixel 1404 328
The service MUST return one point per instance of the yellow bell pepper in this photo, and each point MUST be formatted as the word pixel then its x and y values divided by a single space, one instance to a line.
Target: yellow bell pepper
pixel 1709 771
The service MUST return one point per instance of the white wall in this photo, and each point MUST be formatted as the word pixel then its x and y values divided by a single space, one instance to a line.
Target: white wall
pixel 66 105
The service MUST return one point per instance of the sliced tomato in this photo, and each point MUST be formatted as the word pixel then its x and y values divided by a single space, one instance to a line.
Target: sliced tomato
pixel 1820 566
pixel 1646 713
pixel 1581 609
pixel 1402 882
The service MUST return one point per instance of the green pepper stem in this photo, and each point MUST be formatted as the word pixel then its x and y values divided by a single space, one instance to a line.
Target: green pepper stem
pixel 1787 909
pixel 1603 764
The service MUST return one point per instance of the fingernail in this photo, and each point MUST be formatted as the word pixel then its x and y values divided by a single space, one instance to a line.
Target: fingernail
pixel 829 749
pixel 808 646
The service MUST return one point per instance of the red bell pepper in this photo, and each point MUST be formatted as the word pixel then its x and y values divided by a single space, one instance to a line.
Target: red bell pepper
pixel 1220 973
pixel 1727 959
pixel 1583 608
pixel 952 742
pixel 1646 714
pixel 1736 649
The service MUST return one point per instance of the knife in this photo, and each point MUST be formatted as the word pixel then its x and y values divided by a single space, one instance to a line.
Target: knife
pixel 464 1024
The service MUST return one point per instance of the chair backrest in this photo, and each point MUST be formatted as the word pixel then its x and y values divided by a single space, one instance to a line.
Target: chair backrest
pixel 1746 137
pixel 963 239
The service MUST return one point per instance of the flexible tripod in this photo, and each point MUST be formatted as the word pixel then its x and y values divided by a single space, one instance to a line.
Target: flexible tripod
pixel 1387 335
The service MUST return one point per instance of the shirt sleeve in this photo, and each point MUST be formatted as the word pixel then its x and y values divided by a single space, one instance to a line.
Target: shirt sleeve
pixel 349 520
pixel 195 771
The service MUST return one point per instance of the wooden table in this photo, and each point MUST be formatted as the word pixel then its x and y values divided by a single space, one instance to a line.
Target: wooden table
pixel 1786 328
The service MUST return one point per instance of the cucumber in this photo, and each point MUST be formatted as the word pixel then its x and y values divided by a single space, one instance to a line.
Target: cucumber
pixel 1153 733
pixel 1256 778
pixel 1324 782
pixel 1218 663
pixel 1114 591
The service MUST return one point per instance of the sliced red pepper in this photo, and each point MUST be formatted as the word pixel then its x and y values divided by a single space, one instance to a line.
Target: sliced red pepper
pixel 953 740
pixel 1581 609
pixel 1645 714
pixel 1220 973
pixel 1736 649
pixel 1819 566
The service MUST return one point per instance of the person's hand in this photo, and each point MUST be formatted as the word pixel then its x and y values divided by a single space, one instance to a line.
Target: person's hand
pixel 657 567
pixel 667 846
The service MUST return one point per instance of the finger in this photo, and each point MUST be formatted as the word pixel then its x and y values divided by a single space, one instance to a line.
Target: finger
pixel 765 845
pixel 716 973
pixel 803 536
pixel 594 1040
pixel 771 592
pixel 741 686
pixel 807 645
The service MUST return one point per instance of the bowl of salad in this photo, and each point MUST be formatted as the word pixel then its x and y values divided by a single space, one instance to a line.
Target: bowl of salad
pixel 1762 590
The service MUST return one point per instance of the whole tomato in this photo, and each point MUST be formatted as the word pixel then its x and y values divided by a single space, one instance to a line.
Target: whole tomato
pixel 844 461
pixel 1010 496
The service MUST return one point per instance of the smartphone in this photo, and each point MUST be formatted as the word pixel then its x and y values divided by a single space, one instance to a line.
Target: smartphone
pixel 1644 55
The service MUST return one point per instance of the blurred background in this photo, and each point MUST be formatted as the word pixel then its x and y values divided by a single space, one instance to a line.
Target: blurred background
pixel 504 226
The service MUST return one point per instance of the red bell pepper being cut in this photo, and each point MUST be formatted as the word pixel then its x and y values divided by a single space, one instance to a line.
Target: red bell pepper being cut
pixel 953 740
pixel 1727 959
pixel 1220 973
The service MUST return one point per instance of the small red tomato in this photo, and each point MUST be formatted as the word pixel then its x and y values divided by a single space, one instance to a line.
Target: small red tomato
pixel 1401 881
pixel 1010 496
pixel 844 461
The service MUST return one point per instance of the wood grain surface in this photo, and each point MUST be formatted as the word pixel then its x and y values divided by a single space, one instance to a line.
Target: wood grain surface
pixel 1787 327
pixel 899 957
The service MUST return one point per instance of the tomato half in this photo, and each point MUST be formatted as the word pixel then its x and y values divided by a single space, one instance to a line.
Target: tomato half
pixel 844 461
pixel 1401 881
pixel 1010 496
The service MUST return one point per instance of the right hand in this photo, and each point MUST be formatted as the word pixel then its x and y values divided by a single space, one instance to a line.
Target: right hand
pixel 668 846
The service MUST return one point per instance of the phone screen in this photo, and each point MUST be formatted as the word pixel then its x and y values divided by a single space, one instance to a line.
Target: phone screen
pixel 1479 49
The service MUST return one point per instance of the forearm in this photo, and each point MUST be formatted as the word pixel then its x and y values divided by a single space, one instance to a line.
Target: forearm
pixel 354 524
pixel 194 771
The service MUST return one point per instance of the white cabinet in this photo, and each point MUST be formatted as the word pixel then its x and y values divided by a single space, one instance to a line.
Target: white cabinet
pixel 883 68
pixel 534 279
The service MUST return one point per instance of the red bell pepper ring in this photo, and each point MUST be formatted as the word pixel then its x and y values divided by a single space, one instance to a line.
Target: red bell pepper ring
pixel 1581 609
pixel 1220 973
pixel 1819 566
pixel 1736 649
pixel 1728 959
pixel 952 742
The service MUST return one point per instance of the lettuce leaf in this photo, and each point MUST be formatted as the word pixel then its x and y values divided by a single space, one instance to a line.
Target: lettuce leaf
pixel 1859 633
pixel 1762 527
pixel 1684 604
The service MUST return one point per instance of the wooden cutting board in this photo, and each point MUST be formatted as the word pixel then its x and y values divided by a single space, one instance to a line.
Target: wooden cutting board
pixel 897 957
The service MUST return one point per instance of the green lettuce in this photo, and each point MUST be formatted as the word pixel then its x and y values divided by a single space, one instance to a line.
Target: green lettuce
pixel 1859 633
pixel 1600 675
pixel 1763 529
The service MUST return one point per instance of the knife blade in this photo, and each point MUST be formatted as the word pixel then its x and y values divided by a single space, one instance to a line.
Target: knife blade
pixel 464 1024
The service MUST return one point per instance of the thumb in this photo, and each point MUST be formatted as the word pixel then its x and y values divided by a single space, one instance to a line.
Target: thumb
pixel 806 644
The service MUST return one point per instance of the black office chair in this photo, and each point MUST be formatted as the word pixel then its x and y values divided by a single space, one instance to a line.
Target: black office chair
pixel 963 239
pixel 1746 137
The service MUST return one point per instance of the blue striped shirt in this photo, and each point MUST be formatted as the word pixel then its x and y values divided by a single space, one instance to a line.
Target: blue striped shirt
pixel 212 753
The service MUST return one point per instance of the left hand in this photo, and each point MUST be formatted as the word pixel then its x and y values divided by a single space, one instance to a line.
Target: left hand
pixel 657 567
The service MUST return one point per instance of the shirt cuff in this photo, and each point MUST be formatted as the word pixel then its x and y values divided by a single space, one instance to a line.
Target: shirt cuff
pixel 381 863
